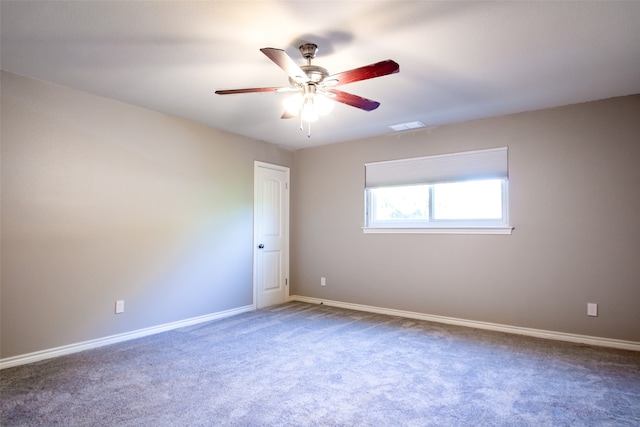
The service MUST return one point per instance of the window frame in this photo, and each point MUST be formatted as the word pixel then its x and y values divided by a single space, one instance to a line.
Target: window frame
pixel 438 226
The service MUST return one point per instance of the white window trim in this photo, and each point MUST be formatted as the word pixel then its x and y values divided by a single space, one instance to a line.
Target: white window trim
pixel 439 230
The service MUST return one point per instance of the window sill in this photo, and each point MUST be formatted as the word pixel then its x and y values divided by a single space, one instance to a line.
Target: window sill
pixel 439 230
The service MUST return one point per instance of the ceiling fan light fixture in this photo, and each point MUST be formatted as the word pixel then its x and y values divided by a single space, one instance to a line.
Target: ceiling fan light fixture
pixel 323 104
pixel 293 104
pixel 308 105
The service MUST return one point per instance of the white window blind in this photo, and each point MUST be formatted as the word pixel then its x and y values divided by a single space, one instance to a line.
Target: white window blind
pixel 480 164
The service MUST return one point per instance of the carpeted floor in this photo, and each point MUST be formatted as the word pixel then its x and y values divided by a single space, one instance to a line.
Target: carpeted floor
pixel 311 365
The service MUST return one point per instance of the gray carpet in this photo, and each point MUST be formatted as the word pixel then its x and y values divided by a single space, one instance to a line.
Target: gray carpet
pixel 311 365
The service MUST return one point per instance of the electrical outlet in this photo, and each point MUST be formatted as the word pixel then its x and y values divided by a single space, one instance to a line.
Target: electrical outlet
pixel 592 309
pixel 120 306
pixel 323 281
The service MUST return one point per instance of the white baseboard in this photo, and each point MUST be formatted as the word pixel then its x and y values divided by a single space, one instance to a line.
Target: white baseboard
pixel 538 333
pixel 87 345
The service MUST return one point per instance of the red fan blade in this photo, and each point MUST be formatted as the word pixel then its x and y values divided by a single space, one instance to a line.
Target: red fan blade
pixel 378 69
pixel 285 62
pixel 249 90
pixel 354 100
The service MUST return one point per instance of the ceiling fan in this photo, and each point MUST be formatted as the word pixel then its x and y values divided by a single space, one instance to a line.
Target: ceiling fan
pixel 314 85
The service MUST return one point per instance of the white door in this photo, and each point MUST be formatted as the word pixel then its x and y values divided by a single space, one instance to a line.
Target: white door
pixel 271 234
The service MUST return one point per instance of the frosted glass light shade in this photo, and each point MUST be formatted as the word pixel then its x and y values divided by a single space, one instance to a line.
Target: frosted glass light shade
pixel 323 104
pixel 293 104
pixel 309 106
pixel 309 113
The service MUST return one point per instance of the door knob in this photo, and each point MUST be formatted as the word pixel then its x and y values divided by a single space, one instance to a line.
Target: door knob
pixel 261 246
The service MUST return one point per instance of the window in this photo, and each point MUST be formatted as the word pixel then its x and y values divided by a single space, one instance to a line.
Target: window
pixel 460 192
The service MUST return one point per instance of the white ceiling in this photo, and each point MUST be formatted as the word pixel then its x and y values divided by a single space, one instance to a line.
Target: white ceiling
pixel 458 60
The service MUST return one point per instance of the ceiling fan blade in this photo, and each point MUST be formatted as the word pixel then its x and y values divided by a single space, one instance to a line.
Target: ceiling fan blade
pixel 288 115
pixel 371 71
pixel 354 100
pixel 249 90
pixel 285 62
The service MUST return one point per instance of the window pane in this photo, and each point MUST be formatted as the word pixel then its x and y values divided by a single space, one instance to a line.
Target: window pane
pixel 401 203
pixel 468 200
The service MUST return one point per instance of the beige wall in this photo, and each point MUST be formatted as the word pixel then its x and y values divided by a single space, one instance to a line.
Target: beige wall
pixel 574 200
pixel 104 201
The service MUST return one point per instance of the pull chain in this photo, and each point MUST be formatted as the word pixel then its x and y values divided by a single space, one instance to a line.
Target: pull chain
pixel 308 127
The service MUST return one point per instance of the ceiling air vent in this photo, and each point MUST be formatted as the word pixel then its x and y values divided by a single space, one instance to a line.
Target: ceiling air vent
pixel 407 126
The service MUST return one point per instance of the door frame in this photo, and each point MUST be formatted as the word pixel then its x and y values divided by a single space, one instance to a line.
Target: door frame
pixel 286 227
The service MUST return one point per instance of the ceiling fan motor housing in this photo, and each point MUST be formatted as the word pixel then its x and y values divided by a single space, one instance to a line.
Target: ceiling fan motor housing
pixel 314 73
